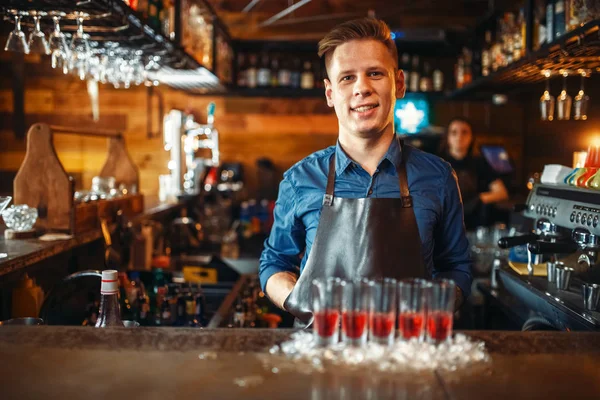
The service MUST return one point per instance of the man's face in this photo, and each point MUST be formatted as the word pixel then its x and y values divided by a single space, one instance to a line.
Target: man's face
pixel 363 86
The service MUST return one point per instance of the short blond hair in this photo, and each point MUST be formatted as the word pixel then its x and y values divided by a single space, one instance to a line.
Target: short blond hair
pixel 358 29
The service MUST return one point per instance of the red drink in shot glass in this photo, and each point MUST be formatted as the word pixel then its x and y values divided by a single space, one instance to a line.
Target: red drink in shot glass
pixel 326 300
pixel 412 308
pixel 383 311
pixel 356 296
pixel 440 304
pixel 439 325
pixel 411 324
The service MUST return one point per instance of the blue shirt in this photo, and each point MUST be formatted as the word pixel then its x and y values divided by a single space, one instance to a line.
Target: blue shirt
pixel 436 201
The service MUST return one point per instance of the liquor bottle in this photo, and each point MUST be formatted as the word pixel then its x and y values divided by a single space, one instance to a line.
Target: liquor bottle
pixel 405 64
pixel 438 80
pixel 468 66
pixel 459 72
pixel 577 14
pixel 200 304
pixel 414 75
pixel 181 314
pixel 143 309
pixel 296 74
pixel 550 21
pixel 509 38
pixel 166 316
pixel 154 11
pixel 241 71
pixel 274 72
pixel 426 81
pixel 168 19
pixel 239 315
pixel 109 315
pixel 264 73
pixel 307 79
pixel 520 36
pixel 157 294
pixel 486 54
pixel 142 6
pixel 560 18
pixel 252 73
pixel 539 26
pixel 124 300
pixel 285 74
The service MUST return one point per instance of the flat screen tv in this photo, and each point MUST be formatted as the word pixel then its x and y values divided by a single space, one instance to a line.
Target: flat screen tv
pixel 498 158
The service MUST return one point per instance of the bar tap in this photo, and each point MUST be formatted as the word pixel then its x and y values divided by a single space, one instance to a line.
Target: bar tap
pixel 183 137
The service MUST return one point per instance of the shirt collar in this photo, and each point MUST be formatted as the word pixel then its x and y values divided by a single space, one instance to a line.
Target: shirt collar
pixel 342 161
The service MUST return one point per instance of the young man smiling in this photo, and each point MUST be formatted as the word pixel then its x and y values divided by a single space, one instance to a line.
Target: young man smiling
pixel 369 206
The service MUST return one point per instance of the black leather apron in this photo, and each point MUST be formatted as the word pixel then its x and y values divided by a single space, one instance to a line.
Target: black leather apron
pixel 368 237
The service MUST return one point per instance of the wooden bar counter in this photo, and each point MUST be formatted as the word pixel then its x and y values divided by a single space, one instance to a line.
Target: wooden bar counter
pixel 50 362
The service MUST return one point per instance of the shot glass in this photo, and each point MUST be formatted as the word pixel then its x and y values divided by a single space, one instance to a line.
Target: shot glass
pixel 591 295
pixel 382 316
pixel 440 306
pixel 412 310
pixel 326 301
pixel 356 299
pixel 563 276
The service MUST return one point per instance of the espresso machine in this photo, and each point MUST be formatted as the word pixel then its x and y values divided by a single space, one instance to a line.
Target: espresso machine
pixel 566 236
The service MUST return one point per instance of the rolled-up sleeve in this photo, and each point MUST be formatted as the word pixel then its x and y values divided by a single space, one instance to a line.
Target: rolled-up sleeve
pixel 451 256
pixel 287 238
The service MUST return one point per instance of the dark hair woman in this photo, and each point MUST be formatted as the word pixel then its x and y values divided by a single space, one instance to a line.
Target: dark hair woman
pixel 479 185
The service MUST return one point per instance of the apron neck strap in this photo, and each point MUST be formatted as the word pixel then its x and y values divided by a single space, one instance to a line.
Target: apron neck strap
pixel 400 170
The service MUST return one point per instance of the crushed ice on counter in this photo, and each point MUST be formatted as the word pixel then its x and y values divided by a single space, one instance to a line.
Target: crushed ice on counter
pixel 208 355
pixel 248 381
pixel 305 356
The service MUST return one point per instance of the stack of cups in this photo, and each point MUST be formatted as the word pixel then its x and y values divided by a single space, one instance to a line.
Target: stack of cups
pixel 371 310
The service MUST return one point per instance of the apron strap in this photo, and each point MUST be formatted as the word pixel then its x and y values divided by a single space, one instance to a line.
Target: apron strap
pixel 402 178
pixel 328 197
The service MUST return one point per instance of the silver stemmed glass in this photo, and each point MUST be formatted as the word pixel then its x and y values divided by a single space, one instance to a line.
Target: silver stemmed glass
pixel 17 41
pixel 4 200
pixel 37 39
pixel 80 49
pixel 547 100
pixel 58 45
pixel 563 102
pixel 582 100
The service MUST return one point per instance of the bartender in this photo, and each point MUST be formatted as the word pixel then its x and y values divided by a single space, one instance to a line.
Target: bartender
pixel 479 185
pixel 370 206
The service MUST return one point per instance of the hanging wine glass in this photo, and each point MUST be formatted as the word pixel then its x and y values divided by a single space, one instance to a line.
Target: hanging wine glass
pixel 58 44
pixel 17 41
pixel 547 100
pixel 37 39
pixel 563 103
pixel 4 200
pixel 80 49
pixel 582 100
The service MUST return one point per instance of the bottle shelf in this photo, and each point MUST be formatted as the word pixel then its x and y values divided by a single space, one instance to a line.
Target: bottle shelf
pixel 577 49
pixel 275 92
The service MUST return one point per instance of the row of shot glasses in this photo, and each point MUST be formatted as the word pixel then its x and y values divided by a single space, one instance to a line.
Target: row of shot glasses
pixel 362 310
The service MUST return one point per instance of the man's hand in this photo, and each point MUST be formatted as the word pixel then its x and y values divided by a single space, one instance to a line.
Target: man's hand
pixel 279 286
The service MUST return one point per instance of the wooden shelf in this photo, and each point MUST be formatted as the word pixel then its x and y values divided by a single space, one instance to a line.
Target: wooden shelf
pixel 25 252
pixel 579 48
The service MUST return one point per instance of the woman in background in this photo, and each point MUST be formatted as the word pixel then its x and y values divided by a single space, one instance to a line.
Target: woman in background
pixel 479 185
